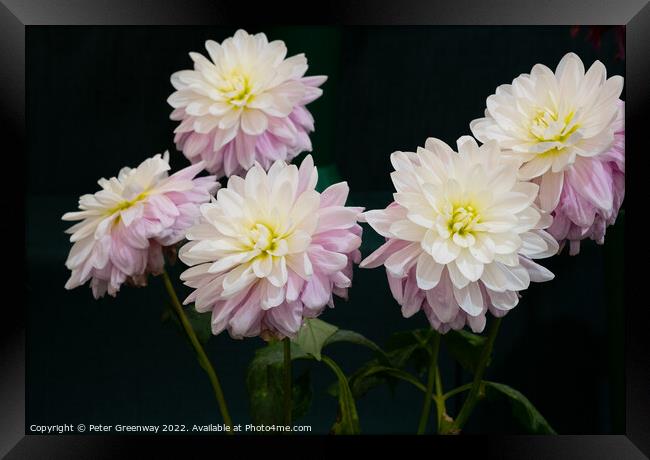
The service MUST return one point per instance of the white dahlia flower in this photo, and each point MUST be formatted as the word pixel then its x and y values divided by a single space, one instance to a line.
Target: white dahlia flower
pixel 126 225
pixel 461 234
pixel 567 130
pixel 271 251
pixel 244 104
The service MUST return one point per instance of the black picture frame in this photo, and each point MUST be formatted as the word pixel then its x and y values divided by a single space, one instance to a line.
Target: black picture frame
pixel 16 16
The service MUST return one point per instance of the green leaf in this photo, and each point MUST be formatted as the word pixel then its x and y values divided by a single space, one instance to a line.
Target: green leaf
pixel 375 374
pixel 366 378
pixel 523 409
pixel 201 322
pixel 347 420
pixel 403 348
pixel 465 347
pixel 312 336
pixel 264 379
pixel 273 354
pixel 410 347
pixel 342 335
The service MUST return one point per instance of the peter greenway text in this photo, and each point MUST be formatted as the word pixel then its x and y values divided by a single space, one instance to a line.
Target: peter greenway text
pixel 176 428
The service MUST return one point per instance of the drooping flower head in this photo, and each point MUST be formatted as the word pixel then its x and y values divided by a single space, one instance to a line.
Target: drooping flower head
pixel 126 225
pixel 460 235
pixel 244 104
pixel 567 129
pixel 271 250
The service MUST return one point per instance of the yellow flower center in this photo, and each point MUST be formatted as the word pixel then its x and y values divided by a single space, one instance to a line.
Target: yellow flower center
pixel 265 239
pixel 462 220
pixel 546 126
pixel 236 88
pixel 127 204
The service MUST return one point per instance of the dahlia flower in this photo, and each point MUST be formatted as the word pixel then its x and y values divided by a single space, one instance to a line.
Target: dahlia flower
pixel 125 226
pixel 461 234
pixel 271 250
pixel 244 104
pixel 579 214
pixel 567 130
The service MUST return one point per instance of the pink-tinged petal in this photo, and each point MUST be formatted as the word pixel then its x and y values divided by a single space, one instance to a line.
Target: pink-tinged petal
pixel 499 277
pixel 477 323
pixel 271 295
pixel 336 217
pixel 302 117
pixel 412 299
pixel 294 287
pixel 208 296
pixel 326 262
pixel 335 195
pixel 381 220
pixel 441 299
pixel 506 300
pixel 79 252
pixel 316 292
pixel 457 278
pixel 590 179
pixel 195 144
pixel 316 80
pixel 307 175
pixel 285 318
pixel 301 265
pixel 578 209
pixel 380 256
pixel 550 190
pixel 407 230
pixel 428 272
pixel 223 310
pixel 470 299
pixel 244 147
pixel 402 260
pixel 471 268
pixel 246 321
pixel 537 273
pixel 341 241
pixel 396 286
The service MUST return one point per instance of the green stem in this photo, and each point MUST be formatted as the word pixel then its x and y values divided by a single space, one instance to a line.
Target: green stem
pixel 428 395
pixel 440 401
pixel 472 397
pixel 287 381
pixel 455 391
pixel 200 352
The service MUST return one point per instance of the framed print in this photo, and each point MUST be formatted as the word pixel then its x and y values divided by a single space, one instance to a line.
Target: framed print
pixel 388 223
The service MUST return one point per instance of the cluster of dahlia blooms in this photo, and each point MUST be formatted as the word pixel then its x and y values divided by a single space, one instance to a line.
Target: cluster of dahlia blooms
pixel 271 250
pixel 125 226
pixel 567 130
pixel 244 104
pixel 461 234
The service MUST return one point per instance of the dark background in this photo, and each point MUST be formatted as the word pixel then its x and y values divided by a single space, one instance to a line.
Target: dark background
pixel 97 101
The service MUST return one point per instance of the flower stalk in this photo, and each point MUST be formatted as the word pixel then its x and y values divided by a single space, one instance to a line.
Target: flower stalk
pixel 474 392
pixel 428 395
pixel 202 357
pixel 286 342
pixel 440 401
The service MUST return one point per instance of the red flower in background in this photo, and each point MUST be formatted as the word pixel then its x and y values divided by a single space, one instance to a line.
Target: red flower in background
pixel 595 34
